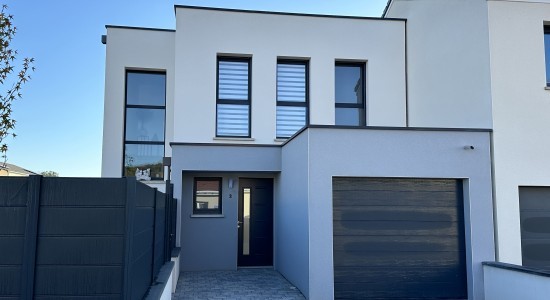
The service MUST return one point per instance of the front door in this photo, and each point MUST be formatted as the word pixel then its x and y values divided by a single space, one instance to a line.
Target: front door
pixel 255 222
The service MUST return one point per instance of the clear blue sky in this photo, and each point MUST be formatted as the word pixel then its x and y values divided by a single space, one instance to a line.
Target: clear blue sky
pixel 60 118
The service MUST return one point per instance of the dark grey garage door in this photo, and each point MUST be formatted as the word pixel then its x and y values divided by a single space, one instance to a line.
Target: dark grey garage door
pixel 398 238
pixel 534 204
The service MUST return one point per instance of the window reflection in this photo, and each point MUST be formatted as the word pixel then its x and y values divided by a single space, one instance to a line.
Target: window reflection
pixel 144 124
pixel 207 197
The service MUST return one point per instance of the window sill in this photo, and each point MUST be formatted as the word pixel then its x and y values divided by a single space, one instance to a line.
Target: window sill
pixel 547 88
pixel 206 216
pixel 280 140
pixel 233 139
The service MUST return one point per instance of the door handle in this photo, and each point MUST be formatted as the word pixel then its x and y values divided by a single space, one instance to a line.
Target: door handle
pixel 239 224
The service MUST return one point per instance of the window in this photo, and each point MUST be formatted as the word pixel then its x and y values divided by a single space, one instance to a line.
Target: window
pixel 547 53
pixel 350 94
pixel 144 124
pixel 233 97
pixel 292 97
pixel 207 196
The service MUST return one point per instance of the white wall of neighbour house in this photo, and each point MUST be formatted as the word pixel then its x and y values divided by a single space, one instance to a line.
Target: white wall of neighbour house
pixel 202 35
pixel 521 112
pixel 135 49
pixel 448 62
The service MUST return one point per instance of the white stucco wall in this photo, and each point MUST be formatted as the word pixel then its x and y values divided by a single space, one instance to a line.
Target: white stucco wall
pixel 132 49
pixel 202 35
pixel 448 62
pixel 521 112
pixel 505 284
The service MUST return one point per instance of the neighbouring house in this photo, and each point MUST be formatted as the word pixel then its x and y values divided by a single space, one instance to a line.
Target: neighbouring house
pixel 360 157
pixel 13 170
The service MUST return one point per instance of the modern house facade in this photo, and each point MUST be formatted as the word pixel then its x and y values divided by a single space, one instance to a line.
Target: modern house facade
pixel 360 157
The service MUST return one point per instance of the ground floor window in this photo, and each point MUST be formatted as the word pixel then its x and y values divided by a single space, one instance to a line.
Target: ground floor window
pixel 207 195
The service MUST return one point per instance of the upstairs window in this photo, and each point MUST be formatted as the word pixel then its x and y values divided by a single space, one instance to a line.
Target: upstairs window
pixel 547 53
pixel 350 94
pixel 144 124
pixel 292 97
pixel 233 97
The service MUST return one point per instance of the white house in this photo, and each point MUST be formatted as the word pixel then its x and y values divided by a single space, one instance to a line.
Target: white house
pixel 360 157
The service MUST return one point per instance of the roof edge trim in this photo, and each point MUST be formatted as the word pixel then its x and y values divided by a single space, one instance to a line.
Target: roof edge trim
pixel 286 13
pixel 139 28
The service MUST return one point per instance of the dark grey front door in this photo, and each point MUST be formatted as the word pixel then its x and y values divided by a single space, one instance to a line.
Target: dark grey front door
pixel 255 222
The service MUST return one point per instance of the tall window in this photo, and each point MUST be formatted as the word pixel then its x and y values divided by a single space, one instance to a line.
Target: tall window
pixel 233 97
pixel 292 97
pixel 547 53
pixel 350 94
pixel 144 124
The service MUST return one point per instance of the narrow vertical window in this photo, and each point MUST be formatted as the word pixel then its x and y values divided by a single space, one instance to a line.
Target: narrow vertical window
pixel 144 125
pixel 547 53
pixel 292 97
pixel 233 97
pixel 350 94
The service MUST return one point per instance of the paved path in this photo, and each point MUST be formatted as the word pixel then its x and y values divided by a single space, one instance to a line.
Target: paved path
pixel 264 283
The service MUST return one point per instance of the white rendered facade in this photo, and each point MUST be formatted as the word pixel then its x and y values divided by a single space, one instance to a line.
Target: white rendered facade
pixel 439 65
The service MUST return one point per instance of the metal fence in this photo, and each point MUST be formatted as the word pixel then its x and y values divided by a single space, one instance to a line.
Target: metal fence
pixel 86 238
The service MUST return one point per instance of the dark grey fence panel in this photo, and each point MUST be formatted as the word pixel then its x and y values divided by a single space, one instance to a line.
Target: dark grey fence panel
pixel 80 237
pixel 85 238
pixel 13 201
pixel 142 247
pixel 159 234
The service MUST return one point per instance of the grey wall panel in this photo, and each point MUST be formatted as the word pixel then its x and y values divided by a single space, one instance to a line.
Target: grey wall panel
pixel 72 221
pixel 81 250
pixel 78 280
pixel 226 158
pixel 291 215
pixel 82 192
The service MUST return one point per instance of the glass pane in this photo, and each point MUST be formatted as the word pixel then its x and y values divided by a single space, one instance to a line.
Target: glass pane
pixel 289 120
pixel 547 54
pixel 144 158
pixel 207 194
pixel 144 124
pixel 232 120
pixel 246 221
pixel 145 88
pixel 233 80
pixel 349 84
pixel 350 116
pixel 291 82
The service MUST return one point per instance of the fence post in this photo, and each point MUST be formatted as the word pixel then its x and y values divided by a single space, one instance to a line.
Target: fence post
pixel 129 236
pixel 155 205
pixel 31 233
pixel 167 221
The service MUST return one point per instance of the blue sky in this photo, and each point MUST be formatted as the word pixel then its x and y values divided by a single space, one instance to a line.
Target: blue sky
pixel 60 118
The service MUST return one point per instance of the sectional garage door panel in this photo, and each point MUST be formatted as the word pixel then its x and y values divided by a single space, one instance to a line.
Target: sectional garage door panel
pixel 534 203
pixel 398 238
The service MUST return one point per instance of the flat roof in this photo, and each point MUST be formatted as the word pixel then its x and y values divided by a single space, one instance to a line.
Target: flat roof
pixel 139 28
pixel 286 13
